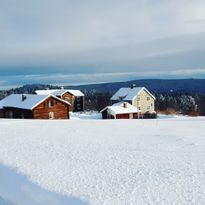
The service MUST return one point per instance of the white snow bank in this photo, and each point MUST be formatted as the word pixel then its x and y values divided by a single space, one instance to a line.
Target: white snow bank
pixel 85 115
pixel 111 162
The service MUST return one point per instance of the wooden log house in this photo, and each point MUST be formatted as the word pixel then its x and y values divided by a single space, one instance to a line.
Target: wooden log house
pixel 74 97
pixel 34 107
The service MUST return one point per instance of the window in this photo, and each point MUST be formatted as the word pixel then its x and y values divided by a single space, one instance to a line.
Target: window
pixel 50 103
pixel 148 107
pixel 138 98
pixel 51 115
pixel 139 108
pixel 78 99
pixel 67 99
pixel 148 98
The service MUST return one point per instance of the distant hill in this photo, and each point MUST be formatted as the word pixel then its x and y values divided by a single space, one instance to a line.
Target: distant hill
pixel 154 85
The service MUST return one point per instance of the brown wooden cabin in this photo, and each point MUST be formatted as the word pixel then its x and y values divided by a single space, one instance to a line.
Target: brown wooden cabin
pixel 34 107
pixel 122 110
pixel 77 102
pixel 74 97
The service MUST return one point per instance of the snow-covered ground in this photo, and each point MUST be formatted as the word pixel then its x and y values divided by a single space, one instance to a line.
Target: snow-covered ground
pixel 111 162
pixel 85 115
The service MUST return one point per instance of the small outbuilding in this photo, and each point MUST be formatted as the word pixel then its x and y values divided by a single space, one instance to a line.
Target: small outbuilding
pixel 121 110
pixel 34 107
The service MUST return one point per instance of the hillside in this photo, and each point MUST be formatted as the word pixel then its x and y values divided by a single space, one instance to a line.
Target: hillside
pixel 154 85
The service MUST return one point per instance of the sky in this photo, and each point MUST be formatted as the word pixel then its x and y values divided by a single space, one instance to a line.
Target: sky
pixel 69 42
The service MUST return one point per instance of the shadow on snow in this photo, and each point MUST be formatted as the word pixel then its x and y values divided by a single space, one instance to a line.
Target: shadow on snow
pixel 16 189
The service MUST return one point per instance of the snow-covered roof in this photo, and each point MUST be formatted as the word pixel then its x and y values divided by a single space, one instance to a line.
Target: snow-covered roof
pixel 129 93
pixel 119 108
pixel 30 101
pixel 45 92
pixel 76 92
pixel 59 92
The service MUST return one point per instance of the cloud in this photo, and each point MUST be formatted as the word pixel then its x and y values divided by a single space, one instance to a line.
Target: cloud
pixel 47 37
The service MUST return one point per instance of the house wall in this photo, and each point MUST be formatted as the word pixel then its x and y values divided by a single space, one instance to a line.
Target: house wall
pixel 77 103
pixel 17 113
pixel 59 109
pixel 143 103
pixel 127 116
pixel 106 115
pixel 1 113
pixel 69 98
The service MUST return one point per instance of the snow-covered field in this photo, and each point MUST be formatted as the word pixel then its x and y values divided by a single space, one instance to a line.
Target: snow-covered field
pixel 111 162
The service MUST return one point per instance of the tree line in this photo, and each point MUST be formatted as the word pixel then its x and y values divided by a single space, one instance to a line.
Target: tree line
pixel 166 102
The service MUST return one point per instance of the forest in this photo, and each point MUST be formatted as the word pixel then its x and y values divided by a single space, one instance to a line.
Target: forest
pixel 167 102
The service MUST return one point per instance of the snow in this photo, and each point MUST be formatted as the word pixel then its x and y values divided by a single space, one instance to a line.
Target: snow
pixel 129 93
pixel 20 191
pixel 118 108
pixel 30 101
pixel 45 92
pixel 92 115
pixel 59 92
pixel 111 162
pixel 15 100
pixel 76 92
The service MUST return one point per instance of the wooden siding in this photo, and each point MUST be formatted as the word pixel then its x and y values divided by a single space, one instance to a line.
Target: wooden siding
pixel 59 109
pixel 69 98
pixel 17 113
pixel 142 102
pixel 105 115
pixel 1 113
pixel 127 116
pixel 77 103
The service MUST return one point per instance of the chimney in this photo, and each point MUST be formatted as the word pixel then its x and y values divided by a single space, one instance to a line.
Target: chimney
pixel 23 97
pixel 125 105
pixel 133 86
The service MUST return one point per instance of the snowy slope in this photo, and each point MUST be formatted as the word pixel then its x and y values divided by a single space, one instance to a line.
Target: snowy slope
pixel 113 162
